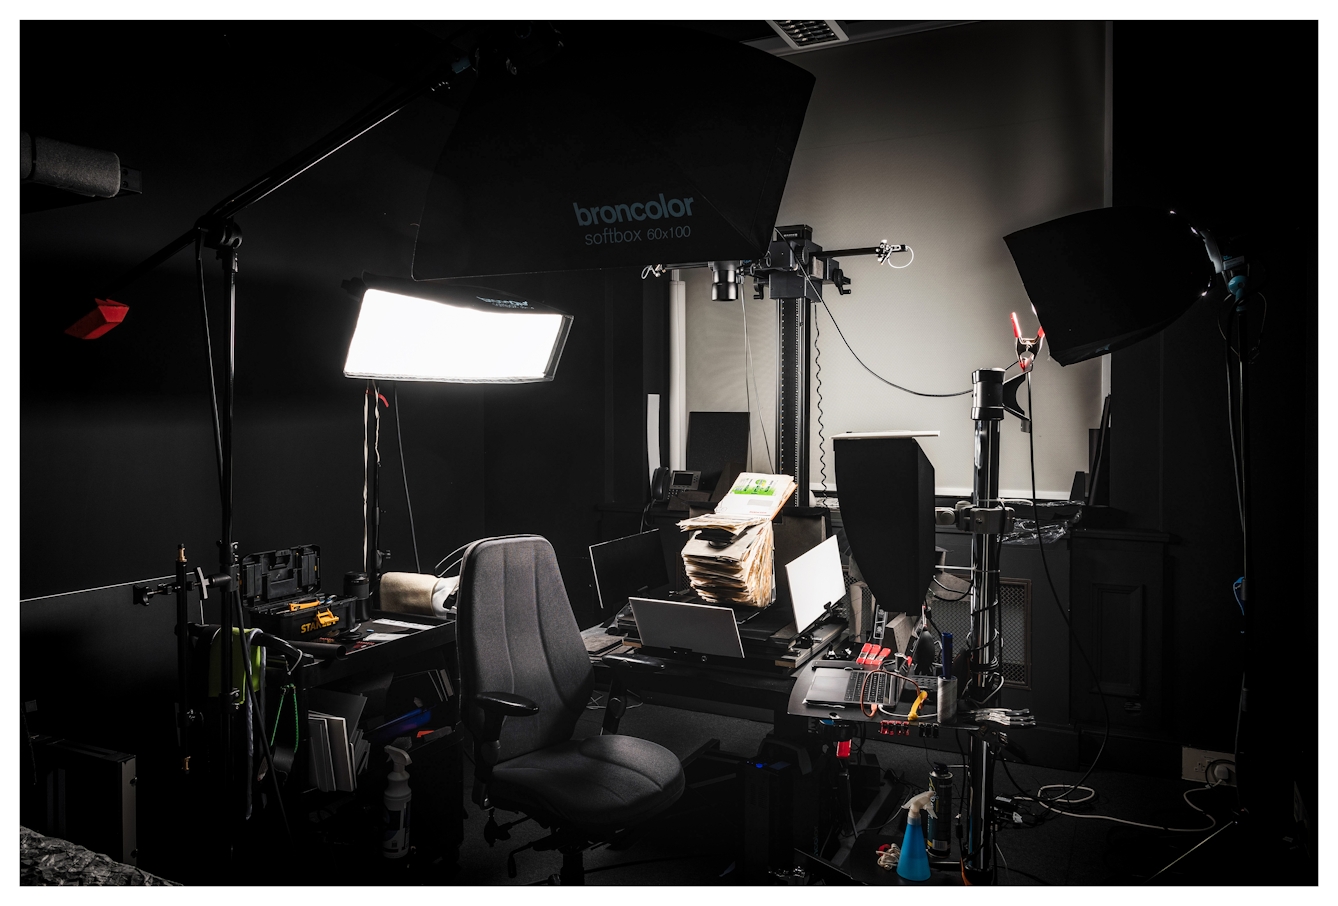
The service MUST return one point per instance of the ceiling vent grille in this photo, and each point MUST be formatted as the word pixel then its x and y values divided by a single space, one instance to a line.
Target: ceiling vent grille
pixel 802 34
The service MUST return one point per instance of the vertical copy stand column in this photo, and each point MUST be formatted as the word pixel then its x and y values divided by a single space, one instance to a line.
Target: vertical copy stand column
pixel 792 390
pixel 987 411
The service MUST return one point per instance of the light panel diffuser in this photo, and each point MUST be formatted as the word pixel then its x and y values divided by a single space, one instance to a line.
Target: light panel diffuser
pixel 475 338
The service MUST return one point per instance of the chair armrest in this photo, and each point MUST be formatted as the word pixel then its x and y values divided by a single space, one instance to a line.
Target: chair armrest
pixel 633 663
pixel 624 667
pixel 506 704
pixel 497 707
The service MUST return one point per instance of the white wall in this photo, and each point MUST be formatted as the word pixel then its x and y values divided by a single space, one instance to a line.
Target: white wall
pixel 946 141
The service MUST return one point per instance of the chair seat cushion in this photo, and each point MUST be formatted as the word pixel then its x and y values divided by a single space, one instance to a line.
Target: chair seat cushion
pixel 599 782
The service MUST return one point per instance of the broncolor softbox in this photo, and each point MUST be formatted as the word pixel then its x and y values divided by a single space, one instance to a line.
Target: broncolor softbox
pixel 1103 280
pixel 635 144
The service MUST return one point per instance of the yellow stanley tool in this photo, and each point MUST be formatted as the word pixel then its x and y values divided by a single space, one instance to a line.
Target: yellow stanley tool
pixel 302 605
pixel 915 708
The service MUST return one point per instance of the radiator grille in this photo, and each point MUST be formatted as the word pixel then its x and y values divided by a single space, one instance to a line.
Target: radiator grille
pixel 1015 625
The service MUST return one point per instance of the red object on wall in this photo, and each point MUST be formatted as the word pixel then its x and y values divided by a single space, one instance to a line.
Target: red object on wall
pixel 105 315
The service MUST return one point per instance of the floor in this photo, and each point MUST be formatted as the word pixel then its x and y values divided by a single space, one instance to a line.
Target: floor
pixel 696 842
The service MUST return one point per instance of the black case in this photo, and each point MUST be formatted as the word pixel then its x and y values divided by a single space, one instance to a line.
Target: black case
pixel 272 581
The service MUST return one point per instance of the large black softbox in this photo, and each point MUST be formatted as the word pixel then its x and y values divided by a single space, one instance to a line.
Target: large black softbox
pixel 635 144
pixel 1105 279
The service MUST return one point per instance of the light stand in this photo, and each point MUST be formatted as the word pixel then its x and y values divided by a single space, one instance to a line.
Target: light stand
pixel 987 519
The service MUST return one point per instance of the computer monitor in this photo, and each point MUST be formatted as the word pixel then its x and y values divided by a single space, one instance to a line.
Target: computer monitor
pixel 885 485
pixel 626 567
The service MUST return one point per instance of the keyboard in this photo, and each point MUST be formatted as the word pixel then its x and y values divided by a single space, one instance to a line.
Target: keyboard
pixel 878 690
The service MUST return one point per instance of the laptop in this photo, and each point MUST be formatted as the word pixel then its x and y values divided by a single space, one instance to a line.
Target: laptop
pixel 838 687
pixel 816 581
pixel 626 567
pixel 699 628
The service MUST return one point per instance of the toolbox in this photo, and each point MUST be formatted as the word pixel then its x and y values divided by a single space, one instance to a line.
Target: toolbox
pixel 281 593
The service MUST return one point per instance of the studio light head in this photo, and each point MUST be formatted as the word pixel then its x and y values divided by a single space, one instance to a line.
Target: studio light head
pixel 411 331
pixel 1102 280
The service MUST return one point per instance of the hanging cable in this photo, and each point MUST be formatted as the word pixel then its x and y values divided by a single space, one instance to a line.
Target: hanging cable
pixel 900 267
pixel 822 440
pixel 817 294
pixel 438 570
pixel 366 527
pixel 1040 543
pixel 209 357
pixel 404 473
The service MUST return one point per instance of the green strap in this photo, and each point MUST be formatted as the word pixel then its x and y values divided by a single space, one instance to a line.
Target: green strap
pixel 278 712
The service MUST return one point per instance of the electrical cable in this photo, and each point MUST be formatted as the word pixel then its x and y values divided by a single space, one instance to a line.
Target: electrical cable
pixel 1159 827
pixel 822 440
pixel 1040 543
pixel 817 292
pixel 404 473
pixel 842 334
pixel 366 527
pixel 1007 873
pixel 1231 434
pixel 209 356
pixel 752 373
pixel 458 550
pixel 257 711
pixel 376 454
pixel 900 267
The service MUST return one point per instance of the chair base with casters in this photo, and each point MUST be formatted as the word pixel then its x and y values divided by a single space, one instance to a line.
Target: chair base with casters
pixel 525 679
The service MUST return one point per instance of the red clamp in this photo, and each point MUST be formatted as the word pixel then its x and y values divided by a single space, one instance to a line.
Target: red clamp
pixel 1027 347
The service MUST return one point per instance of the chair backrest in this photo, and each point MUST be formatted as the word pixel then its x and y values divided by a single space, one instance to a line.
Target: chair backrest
pixel 517 633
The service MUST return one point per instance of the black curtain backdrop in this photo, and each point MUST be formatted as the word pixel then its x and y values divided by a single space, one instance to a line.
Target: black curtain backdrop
pixel 1230 140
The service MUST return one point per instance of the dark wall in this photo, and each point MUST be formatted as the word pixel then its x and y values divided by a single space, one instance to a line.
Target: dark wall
pixel 1228 137
pixel 116 450
pixel 116 447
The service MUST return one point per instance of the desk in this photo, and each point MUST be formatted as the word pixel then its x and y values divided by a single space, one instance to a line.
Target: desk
pixel 436 774
pixel 763 690
pixel 382 657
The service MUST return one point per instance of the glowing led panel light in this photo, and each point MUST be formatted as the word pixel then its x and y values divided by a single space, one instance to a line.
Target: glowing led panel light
pixel 464 335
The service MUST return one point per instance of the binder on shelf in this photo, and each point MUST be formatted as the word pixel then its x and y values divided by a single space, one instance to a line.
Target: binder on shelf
pixel 340 712
pixel 321 765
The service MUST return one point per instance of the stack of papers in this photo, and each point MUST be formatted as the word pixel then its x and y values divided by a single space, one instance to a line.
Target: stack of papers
pixel 729 558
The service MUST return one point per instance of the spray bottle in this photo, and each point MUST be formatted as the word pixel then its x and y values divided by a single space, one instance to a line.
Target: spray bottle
pixel 395 842
pixel 914 863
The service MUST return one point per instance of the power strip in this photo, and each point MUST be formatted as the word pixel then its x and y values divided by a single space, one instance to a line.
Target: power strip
pixel 1194 766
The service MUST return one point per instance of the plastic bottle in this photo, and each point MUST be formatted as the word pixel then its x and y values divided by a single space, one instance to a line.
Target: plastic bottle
pixel 395 842
pixel 914 863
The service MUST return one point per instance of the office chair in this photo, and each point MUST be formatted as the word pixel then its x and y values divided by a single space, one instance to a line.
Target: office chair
pixel 525 679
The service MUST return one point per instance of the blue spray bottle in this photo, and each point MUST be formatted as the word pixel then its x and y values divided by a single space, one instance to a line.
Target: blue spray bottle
pixel 914 862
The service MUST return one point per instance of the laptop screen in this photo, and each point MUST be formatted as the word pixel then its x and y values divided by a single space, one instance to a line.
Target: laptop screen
pixel 625 567
pixel 701 628
pixel 815 581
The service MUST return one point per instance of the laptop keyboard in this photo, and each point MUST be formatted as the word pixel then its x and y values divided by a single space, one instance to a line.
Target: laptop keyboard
pixel 878 689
